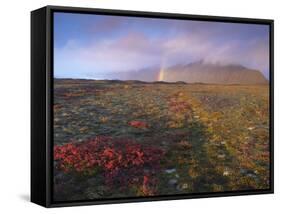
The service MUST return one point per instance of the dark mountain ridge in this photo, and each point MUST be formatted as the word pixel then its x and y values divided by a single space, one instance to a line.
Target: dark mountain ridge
pixel 214 73
pixel 209 73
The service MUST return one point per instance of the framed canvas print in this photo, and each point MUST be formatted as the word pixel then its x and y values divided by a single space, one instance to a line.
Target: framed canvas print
pixel 138 106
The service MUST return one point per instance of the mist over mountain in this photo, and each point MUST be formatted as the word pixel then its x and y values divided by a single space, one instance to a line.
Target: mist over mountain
pixel 197 72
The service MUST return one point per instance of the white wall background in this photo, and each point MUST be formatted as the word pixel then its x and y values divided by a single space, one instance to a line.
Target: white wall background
pixel 15 105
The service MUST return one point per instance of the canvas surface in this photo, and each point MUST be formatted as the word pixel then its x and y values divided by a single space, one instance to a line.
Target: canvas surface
pixel 149 107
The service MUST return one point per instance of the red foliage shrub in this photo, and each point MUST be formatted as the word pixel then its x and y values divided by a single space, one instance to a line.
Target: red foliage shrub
pixel 179 106
pixel 122 162
pixel 138 124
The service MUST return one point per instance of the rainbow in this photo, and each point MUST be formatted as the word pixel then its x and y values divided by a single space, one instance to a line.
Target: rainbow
pixel 160 75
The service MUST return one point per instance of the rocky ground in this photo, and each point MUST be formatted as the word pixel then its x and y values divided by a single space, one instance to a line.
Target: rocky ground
pixel 205 138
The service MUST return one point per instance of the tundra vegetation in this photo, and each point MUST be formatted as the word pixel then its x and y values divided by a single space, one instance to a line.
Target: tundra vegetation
pixel 117 139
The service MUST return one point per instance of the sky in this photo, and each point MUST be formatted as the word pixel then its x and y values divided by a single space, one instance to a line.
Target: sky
pixel 101 46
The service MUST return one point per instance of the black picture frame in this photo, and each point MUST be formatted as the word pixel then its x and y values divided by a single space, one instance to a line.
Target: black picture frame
pixel 42 113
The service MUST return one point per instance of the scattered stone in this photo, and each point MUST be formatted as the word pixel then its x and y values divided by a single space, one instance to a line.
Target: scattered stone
pixel 251 175
pixel 170 171
pixel 226 173
pixel 172 182
pixel 184 186
pixel 222 156
pixel 180 94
